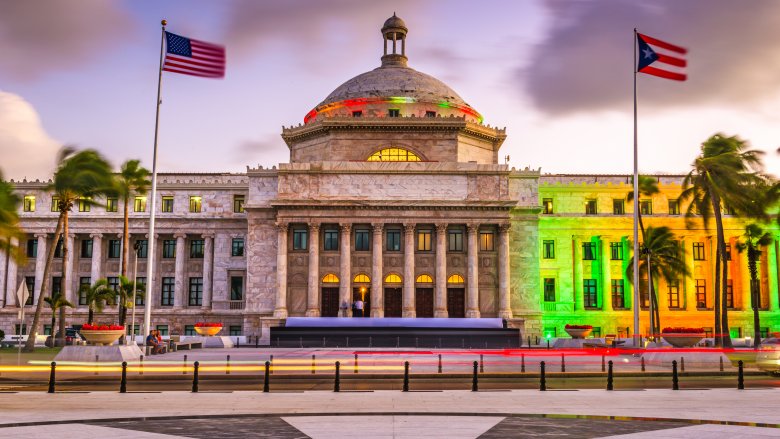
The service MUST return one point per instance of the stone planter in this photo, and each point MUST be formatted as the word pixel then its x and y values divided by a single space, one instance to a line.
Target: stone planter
pixel 683 340
pixel 208 331
pixel 102 337
pixel 578 333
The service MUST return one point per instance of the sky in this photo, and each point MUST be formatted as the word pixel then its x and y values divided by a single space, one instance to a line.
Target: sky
pixel 556 73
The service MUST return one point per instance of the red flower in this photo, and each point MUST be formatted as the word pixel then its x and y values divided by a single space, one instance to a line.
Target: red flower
pixel 682 330
pixel 208 325
pixel 88 327
pixel 579 327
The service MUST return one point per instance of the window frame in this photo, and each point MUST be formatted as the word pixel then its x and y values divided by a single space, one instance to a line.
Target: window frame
pixel 618 292
pixel 548 249
pixel 673 207
pixel 167 203
pixel 84 204
pixel 240 294
pixel 424 240
pixel 393 112
pixel 616 251
pixel 487 240
pixel 196 204
pixel 86 249
pixel 168 249
pixel 646 207
pixel 195 291
pixel 548 289
pixel 238 203
pixel 168 291
pixel 143 251
pixel 590 294
pixel 455 240
pixel 139 204
pixel 237 248
pixel 698 251
pixel 701 294
pixel 673 294
pixel 591 254
pixel 548 206
pixel 114 249
pixel 330 239
pixel 618 206
pixel 393 240
pixel 197 248
pixel 591 207
pixel 28 203
pixel 112 204
pixel 32 248
pixel 362 240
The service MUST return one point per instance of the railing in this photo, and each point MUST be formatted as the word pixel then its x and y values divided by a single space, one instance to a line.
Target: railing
pixel 558 306
pixel 222 305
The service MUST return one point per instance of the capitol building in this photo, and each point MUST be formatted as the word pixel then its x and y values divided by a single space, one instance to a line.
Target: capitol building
pixel 393 194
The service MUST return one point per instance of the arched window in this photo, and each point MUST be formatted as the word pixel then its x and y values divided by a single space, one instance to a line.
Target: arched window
pixel 424 279
pixel 455 279
pixel 393 279
pixel 362 278
pixel 393 155
pixel 330 278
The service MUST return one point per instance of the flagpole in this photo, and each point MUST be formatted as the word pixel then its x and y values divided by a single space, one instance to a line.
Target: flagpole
pixel 153 205
pixel 636 210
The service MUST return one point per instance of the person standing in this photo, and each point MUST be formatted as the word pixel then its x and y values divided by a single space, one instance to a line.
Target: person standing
pixel 359 307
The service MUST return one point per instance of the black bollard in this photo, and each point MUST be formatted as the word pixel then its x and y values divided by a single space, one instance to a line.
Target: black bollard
pixel 542 377
pixel 474 379
pixel 227 366
pixel 184 368
pixel 563 363
pixel 682 364
pixel 52 377
pixel 439 363
pixel 522 362
pixel 643 363
pixel 529 342
pixel 481 364
pixel 609 376
pixel 675 379
pixel 603 363
pixel 266 377
pixel 271 361
pixel 313 364
pixel 548 344
pixel 356 363
pixel 195 377
pixel 238 342
pixel 123 381
pixel 406 376
pixel 721 364
pixel 97 364
pixel 337 381
pixel 257 341
pixel 141 366
pixel 740 376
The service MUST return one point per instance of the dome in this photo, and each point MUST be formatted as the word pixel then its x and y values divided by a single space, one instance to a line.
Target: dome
pixel 394 22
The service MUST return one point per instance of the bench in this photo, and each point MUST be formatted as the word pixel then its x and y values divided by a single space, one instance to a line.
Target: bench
pixel 186 345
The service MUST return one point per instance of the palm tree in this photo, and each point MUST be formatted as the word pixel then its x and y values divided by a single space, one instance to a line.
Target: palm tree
pixel 9 221
pixel 97 295
pixel 725 175
pixel 648 186
pixel 56 302
pixel 665 260
pixel 80 175
pixel 752 241
pixel 131 179
pixel 127 292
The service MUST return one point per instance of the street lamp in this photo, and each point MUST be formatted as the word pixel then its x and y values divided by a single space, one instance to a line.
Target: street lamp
pixel 136 247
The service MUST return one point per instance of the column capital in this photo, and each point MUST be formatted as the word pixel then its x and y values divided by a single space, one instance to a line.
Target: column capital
pixel 377 227
pixel 441 228
pixel 96 235
pixel 504 227
pixel 472 228
pixel 121 235
pixel 179 235
pixel 156 235
pixel 72 236
pixel 42 235
pixel 209 235
pixel 282 226
pixel 314 227
pixel 345 227
pixel 409 228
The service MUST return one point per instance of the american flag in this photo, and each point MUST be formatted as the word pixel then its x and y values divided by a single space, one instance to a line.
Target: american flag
pixel 193 57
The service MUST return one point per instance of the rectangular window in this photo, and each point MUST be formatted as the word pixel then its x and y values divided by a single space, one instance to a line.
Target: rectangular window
pixel 236 288
pixel 139 204
pixel 196 291
pixel 393 112
pixel 237 247
pixel 424 240
pixel 361 240
pixel 357 114
pixel 455 240
pixel 393 240
pixel 590 207
pixel 55 204
pixel 698 251
pixel 46 329
pixel 111 204
pixel 238 203
pixel 30 281
pixel 588 251
pixel 616 251
pixel 114 248
pixel 547 206
pixel 674 207
pixel 763 332
pixel 618 294
pixel 430 114
pixel 590 294
pixel 169 248
pixel 86 248
pixel 701 293
pixel 196 249
pixel 549 289
pixel 548 249
pixel 168 287
pixel 142 246
pixel 139 297
pixel 596 332
pixel 646 207
pixel 674 294
pixel 167 204
pixel 644 296
pixel 487 241
pixel 56 285
pixel 162 329
pixel 196 203
pixel 29 203
pixel 32 248
pixel 618 207
pixel 84 284
pixel 189 330
pixel 729 294
pixel 235 330
pixel 84 204
pixel 58 249
pixel 113 283
pixel 331 239
pixel 300 239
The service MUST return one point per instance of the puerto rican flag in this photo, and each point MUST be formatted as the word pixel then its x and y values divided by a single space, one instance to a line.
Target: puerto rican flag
pixel 662 59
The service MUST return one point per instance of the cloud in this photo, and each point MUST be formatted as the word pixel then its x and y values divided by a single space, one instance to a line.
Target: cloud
pixel 26 150
pixel 38 37
pixel 584 62
pixel 269 150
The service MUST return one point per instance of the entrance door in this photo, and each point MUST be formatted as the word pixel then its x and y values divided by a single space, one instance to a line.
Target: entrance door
pixel 330 302
pixel 424 302
pixel 365 297
pixel 393 302
pixel 456 302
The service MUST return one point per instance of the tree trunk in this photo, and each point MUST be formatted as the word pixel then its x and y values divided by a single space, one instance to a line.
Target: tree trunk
pixel 90 315
pixel 64 278
pixel 716 294
pixel 125 240
pixel 754 293
pixel 53 316
pixel 724 287
pixel 657 316
pixel 33 332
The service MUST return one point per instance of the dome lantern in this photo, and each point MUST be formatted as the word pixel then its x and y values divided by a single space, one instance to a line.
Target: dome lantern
pixel 394 30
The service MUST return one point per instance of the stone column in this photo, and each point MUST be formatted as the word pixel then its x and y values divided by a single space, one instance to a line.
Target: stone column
pixel 773 261
pixel 345 262
pixel 280 311
pixel 472 286
pixel 10 277
pixel 377 296
pixel 409 306
pixel 577 272
pixel 3 261
pixel 504 303
pixel 97 256
pixel 606 278
pixel 40 264
pixel 180 290
pixel 73 270
pixel 313 290
pixel 440 298
pixel 208 269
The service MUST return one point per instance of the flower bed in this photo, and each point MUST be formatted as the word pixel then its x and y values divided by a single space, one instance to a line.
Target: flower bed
pixel 208 328
pixel 578 331
pixel 102 334
pixel 682 330
pixel 681 337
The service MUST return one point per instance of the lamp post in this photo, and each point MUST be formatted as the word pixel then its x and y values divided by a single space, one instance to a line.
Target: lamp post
pixel 136 247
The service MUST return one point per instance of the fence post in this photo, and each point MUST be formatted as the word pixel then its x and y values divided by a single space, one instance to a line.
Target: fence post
pixel 266 377
pixel 406 376
pixel 356 363
pixel 439 363
pixel 675 379
pixel 481 364
pixel 563 363
pixel 609 376
pixel 542 377
pixel 195 377
pixel 740 376
pixel 474 379
pixel 313 364
pixel 52 377
pixel 522 362
pixel 184 368
pixel 123 381
pixel 643 363
pixel 141 366
pixel 337 381
pixel 227 366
